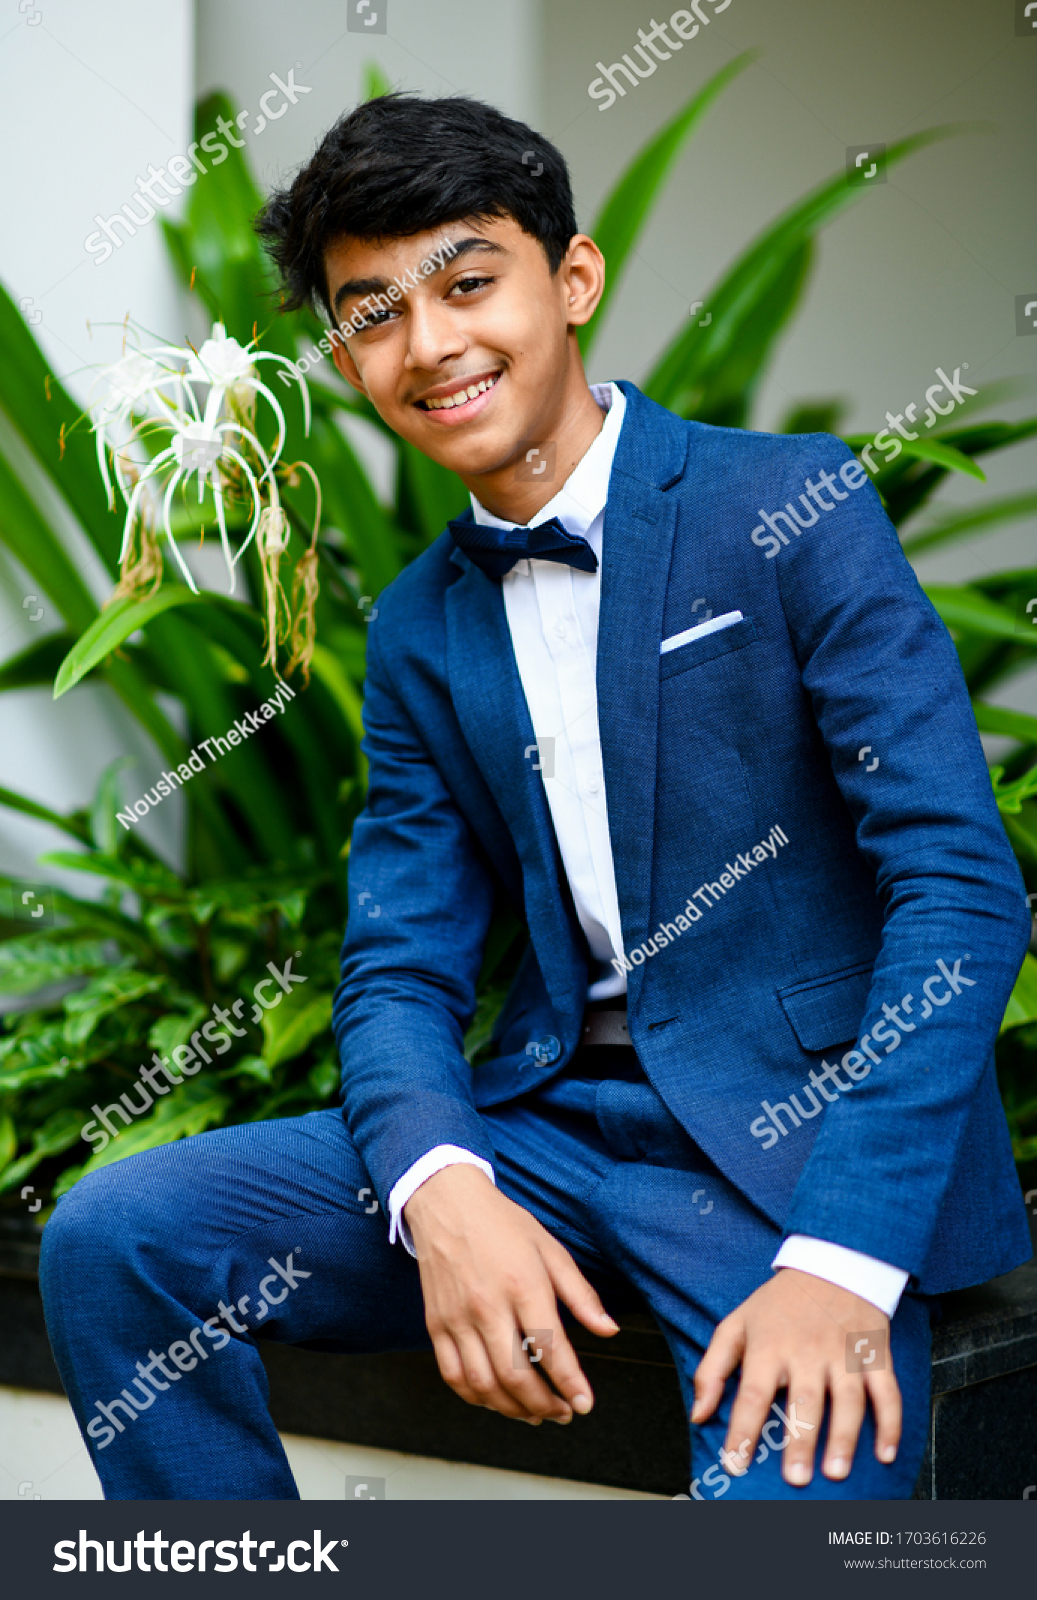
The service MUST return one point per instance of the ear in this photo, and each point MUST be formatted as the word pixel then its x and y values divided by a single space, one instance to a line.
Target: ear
pixel 346 367
pixel 582 276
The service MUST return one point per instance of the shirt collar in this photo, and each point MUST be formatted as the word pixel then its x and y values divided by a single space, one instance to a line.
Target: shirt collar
pixel 583 496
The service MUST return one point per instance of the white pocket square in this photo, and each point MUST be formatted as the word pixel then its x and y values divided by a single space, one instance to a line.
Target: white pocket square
pixel 700 630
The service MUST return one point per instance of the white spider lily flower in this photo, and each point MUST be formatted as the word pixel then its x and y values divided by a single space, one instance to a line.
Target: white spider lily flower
pixel 229 368
pixel 133 385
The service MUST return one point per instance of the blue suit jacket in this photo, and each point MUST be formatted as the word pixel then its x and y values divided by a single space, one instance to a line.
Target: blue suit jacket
pixel 887 870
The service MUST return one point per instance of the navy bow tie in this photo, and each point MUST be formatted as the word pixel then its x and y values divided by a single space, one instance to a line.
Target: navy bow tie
pixel 496 550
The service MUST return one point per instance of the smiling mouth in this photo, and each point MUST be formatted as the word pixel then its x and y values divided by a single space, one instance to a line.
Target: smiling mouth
pixel 462 396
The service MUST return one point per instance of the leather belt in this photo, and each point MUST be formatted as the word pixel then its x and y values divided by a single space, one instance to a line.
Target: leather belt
pixel 605 1027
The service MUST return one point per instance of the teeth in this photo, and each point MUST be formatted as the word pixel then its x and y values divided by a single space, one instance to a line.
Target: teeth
pixel 461 396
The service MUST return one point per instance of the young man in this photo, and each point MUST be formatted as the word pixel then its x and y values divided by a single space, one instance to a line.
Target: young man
pixel 699 840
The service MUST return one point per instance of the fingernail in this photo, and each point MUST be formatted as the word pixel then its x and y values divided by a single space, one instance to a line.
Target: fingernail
pixel 534 1422
pixel 562 1421
pixel 888 1452
pixel 798 1473
pixel 610 1320
pixel 839 1468
pixel 581 1403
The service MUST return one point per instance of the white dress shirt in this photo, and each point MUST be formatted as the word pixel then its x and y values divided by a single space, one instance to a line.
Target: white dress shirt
pixel 552 611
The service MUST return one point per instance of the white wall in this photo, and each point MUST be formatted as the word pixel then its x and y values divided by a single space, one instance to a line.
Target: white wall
pixel 90 93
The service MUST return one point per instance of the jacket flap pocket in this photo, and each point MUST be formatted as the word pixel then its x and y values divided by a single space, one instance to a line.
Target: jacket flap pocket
pixel 827 1011
pixel 705 648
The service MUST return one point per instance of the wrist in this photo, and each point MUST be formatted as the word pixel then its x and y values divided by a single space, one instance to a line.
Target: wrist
pixel 452 1188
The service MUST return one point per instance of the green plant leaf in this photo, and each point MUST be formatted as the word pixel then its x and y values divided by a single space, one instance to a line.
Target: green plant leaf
pixel 960 524
pixel 191 1109
pixel 58 1133
pixel 36 666
pixel 27 965
pixel 688 371
pixel 1000 719
pixel 966 610
pixel 115 625
pixel 291 1026
pixel 622 216
pixel 1022 1003
pixel 102 996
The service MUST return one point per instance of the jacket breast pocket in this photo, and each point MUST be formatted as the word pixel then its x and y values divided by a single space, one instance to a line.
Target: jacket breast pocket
pixel 828 1010
pixel 693 654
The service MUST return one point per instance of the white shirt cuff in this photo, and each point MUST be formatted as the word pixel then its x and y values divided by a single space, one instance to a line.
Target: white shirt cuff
pixel 863 1275
pixel 433 1161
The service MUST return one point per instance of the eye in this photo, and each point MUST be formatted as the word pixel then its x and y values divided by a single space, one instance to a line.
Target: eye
pixel 470 285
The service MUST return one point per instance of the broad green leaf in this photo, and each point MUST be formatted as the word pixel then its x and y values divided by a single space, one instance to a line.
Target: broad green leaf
pixel 115 625
pixel 190 1109
pixel 29 536
pixel 174 1029
pixel 376 83
pixel 58 1133
pixel 1022 1003
pixel 696 358
pixel 24 385
pixel 622 216
pixel 960 524
pixel 967 610
pixel 104 995
pixel 31 808
pixel 27 965
pixel 1010 796
pixel 107 833
pixel 36 666
pixel 1000 719
pixel 290 1027
pixel 935 450
pixel 8 1140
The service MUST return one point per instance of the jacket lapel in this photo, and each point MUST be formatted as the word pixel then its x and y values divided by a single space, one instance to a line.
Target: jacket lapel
pixel 494 718
pixel 640 520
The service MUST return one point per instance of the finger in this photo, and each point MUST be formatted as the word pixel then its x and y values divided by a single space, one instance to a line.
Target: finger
pixel 520 1357
pixel 725 1351
pixel 844 1426
pixel 574 1291
pixel 886 1402
pixel 555 1357
pixel 805 1407
pixel 759 1384
pixel 482 1381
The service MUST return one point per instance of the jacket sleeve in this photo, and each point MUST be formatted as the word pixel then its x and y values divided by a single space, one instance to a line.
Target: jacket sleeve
pixel 421 896
pixel 891 703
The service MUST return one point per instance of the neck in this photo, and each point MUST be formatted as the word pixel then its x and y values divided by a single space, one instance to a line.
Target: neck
pixel 572 425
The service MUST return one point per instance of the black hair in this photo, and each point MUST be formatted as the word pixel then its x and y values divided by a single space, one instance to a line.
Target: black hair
pixel 399 165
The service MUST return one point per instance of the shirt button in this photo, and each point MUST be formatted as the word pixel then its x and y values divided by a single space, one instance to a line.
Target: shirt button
pixel 560 629
pixel 545 1050
pixel 593 785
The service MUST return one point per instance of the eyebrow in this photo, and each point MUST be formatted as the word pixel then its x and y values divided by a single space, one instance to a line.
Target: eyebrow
pixel 461 247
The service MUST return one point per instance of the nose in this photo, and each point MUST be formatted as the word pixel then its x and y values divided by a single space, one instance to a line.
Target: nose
pixel 433 336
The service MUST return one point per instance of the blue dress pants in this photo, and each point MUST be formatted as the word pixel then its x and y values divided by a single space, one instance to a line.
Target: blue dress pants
pixel 158 1270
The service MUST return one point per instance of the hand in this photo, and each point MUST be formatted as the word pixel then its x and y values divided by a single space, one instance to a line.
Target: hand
pixel 488 1268
pixel 791 1334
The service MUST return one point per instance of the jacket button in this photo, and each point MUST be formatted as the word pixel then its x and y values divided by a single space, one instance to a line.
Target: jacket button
pixel 545 1050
